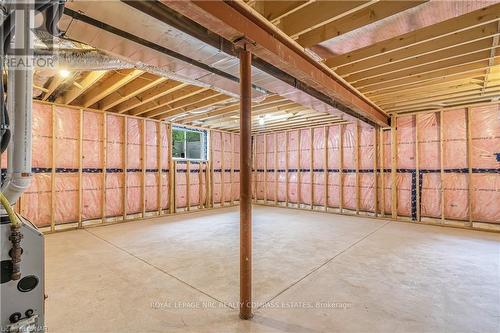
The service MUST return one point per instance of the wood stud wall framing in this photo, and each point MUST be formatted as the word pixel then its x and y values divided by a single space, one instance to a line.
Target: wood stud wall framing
pixel 469 163
pixel 208 168
pixel 104 147
pixel 143 166
pixel 325 206
pixel 80 165
pixel 453 61
pixel 205 169
pixel 53 173
pixel 382 170
pixel 394 166
pixel 380 174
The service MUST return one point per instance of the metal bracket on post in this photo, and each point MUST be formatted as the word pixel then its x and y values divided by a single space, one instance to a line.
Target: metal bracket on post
pixel 242 42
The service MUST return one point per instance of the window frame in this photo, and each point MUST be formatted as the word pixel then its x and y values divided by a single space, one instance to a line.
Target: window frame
pixel 204 144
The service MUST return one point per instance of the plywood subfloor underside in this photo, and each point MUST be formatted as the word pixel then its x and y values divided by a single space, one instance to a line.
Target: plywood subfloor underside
pixel 180 274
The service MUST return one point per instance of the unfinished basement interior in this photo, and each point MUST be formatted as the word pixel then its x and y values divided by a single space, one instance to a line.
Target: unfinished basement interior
pixel 250 166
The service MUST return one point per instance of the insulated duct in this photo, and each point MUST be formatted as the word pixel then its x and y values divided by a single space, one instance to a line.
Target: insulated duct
pixel 155 47
pixel 156 36
pixel 20 178
pixel 93 60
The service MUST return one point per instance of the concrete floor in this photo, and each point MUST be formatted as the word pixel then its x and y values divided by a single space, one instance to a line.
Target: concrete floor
pixel 313 272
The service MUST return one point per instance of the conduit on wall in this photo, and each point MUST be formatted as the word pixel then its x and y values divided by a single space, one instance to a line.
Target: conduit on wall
pixel 446 167
pixel 88 165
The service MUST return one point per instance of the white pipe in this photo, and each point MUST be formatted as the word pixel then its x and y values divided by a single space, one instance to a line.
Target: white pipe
pixel 23 81
pixel 12 118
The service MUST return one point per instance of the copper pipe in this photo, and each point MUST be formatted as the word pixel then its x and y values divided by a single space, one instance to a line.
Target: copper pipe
pixel 245 184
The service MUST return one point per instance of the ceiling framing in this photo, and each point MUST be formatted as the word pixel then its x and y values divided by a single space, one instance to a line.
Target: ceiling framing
pixel 442 64
pixel 452 62
pixel 138 93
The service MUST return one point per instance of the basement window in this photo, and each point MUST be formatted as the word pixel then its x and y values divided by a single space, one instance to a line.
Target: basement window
pixel 189 144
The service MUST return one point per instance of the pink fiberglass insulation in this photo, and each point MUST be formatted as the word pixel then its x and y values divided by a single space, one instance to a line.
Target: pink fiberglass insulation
pixel 386 165
pixel 143 172
pixel 293 166
pixel 366 192
pixel 151 145
pixel 305 174
pixel 485 156
pixel 134 166
pixel 194 184
pixel 36 201
pixel 114 194
pixel 216 188
pixel 133 195
pixel 134 138
pixel 91 196
pixel 181 185
pixel 484 165
pixel 66 198
pixel 216 153
pixel 92 162
pixel 319 167
pixel 92 140
pixel 235 190
pixel 151 150
pixel 203 178
pixel 428 126
pixel 151 191
pixel 114 142
pixel 67 160
pixel 259 166
pixel 366 165
pixel 197 184
pixel 114 163
pixel 42 136
pixel 404 186
pixel 405 162
pixel 228 159
pixel 165 192
pixel 486 197
pixel 333 147
pixel 455 157
pixel 254 171
pixel 349 177
pixel 67 129
pixel 164 166
pixel 270 167
pixel 282 155
pixel 406 142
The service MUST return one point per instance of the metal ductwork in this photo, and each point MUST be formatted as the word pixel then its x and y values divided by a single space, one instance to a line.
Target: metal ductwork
pixel 93 60
pixel 147 40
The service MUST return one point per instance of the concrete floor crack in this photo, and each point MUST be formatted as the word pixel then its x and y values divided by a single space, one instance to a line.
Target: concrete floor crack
pixel 322 265
pixel 159 269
